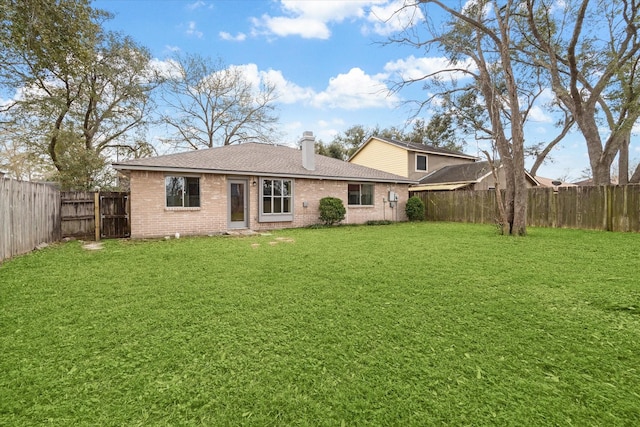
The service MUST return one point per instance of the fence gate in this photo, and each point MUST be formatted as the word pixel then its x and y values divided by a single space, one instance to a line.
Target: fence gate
pixel 89 215
pixel 114 215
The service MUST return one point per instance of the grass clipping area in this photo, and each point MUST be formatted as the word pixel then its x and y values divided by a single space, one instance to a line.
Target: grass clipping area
pixel 407 324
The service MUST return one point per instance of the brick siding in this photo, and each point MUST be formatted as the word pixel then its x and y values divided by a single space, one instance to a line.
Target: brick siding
pixel 151 218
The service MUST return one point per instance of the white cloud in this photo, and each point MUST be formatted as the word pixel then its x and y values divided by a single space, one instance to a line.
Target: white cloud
pixel 237 38
pixel 288 92
pixel 172 48
pixel 351 91
pixel 195 5
pixel 281 26
pixel 413 68
pixel 539 115
pixel 166 68
pixel 310 19
pixel 192 30
pixel 395 16
pixel 326 10
pixel 328 129
pixel 355 90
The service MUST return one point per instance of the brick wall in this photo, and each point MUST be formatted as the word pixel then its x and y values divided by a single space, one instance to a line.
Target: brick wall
pixel 151 218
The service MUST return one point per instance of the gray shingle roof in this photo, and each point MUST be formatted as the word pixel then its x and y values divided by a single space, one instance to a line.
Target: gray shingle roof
pixel 466 172
pixel 259 159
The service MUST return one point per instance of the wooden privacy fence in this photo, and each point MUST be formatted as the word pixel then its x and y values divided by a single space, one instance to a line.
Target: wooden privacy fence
pixel 29 216
pixel 95 215
pixel 34 213
pixel 604 207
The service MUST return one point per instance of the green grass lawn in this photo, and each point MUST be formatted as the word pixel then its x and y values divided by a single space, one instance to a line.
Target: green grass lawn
pixel 406 324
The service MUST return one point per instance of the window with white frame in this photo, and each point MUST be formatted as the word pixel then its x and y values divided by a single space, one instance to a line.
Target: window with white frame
pixel 360 194
pixel 182 191
pixel 276 200
pixel 421 162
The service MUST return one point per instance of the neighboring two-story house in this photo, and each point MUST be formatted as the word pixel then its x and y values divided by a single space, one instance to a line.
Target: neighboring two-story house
pixel 408 159
pixel 435 168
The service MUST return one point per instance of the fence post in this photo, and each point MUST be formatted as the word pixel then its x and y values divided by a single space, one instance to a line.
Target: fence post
pixel 96 213
pixel 609 207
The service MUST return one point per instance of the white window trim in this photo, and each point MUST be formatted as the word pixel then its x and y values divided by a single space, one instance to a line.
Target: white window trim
pixel 275 217
pixel 426 162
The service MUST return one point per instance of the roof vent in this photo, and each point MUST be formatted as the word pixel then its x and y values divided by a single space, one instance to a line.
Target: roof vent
pixel 308 143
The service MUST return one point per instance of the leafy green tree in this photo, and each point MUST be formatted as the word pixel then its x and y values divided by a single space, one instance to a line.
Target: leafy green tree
pixel 44 39
pixel 351 139
pixel 81 93
pixel 440 131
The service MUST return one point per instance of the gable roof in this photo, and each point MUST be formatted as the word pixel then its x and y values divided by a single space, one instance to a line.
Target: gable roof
pixel 416 147
pixel 259 159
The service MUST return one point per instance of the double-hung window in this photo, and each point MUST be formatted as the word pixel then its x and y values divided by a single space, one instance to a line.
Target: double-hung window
pixel 360 194
pixel 276 200
pixel 421 162
pixel 182 191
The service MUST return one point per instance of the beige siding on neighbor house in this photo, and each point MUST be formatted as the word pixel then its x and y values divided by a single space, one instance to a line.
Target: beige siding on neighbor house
pixel 150 217
pixel 382 156
pixel 434 162
pixel 437 162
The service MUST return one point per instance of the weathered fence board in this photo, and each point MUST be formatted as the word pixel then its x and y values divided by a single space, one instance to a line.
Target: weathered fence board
pixel 29 216
pixel 604 207
pixel 77 214
pixel 78 209
pixel 114 215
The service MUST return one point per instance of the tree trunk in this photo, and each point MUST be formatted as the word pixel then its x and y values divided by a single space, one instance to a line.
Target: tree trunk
pixel 601 173
pixel 623 161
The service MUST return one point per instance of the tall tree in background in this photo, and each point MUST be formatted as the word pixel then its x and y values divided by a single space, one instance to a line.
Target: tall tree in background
pixel 440 131
pixel 350 140
pixel 208 105
pixel 80 93
pixel 35 49
pixel 590 50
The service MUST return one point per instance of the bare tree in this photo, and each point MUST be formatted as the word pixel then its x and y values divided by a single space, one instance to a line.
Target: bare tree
pixel 208 104
pixel 480 41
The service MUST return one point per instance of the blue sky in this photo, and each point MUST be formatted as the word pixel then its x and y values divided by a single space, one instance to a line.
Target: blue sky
pixel 326 57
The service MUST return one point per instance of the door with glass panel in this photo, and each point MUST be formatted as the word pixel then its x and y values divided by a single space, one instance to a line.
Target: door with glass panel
pixel 238 206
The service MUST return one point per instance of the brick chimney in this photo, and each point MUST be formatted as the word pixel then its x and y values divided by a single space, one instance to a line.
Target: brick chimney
pixel 308 143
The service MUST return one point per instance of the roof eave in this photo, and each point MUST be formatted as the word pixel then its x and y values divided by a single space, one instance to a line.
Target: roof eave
pixel 450 182
pixel 123 168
